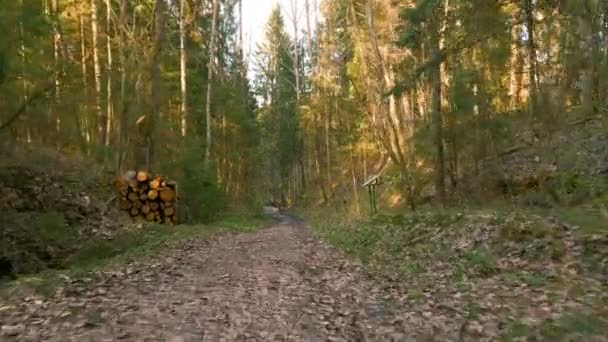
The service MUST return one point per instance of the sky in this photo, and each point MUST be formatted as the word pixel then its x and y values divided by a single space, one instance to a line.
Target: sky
pixel 255 16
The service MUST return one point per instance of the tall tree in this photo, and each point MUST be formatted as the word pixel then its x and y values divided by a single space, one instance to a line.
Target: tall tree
pixel 210 71
pixel 97 73
pixel 277 88
pixel 183 67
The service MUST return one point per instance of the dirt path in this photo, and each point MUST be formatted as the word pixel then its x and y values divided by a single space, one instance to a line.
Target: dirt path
pixel 278 284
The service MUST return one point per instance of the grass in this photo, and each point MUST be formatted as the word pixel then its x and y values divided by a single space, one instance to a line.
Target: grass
pixel 128 245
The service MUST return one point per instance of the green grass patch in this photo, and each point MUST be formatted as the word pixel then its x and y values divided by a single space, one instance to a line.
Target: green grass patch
pixel 573 323
pixel 243 221
pixel 480 262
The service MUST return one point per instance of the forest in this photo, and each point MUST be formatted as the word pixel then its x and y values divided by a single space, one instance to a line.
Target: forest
pixel 396 130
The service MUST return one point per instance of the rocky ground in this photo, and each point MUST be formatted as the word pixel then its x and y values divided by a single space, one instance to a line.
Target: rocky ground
pixel 277 284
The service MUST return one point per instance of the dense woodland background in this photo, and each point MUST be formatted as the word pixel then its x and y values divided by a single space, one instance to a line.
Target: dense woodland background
pixel 437 95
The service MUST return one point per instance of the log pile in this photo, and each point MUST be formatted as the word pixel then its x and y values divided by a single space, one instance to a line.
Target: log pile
pixel 152 198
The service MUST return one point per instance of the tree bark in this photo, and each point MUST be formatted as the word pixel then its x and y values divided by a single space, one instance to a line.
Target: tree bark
pixel 296 54
pixel 110 106
pixel 586 71
pixel 97 73
pixel 210 81
pixel 147 155
pixel 436 79
pixel 124 113
pixel 183 67
pixel 516 63
pixel 308 31
pixel 532 87
pixel 85 86
pixel 56 66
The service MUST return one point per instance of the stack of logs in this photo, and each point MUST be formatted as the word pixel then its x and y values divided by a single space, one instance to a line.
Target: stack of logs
pixel 152 198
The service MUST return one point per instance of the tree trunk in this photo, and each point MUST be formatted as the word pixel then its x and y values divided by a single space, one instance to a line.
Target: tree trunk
pixel 109 103
pixel 296 54
pixel 97 73
pixel 57 72
pixel 353 174
pixel 516 63
pixel 436 107
pixel 183 67
pixel 85 86
pixel 147 153
pixel 586 71
pixel 308 31
pixel 438 135
pixel 122 126
pixel 210 81
pixel 532 87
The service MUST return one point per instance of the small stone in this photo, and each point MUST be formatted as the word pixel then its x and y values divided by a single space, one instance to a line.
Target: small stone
pixel 474 328
pixel 12 330
pixel 122 335
pixel 176 338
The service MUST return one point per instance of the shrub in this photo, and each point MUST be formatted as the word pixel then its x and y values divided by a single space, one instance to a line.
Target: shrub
pixel 201 199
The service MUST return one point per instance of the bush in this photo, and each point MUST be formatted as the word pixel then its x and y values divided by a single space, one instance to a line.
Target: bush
pixel 31 242
pixel 201 200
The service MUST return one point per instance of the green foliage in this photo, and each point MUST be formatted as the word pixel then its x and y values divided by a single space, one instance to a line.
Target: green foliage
pixel 278 115
pixel 202 199
pixel 580 323
pixel 32 242
pixel 480 262
pixel 246 220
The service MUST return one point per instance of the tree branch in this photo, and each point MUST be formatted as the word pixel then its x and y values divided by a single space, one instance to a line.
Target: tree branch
pixel 35 96
pixel 437 58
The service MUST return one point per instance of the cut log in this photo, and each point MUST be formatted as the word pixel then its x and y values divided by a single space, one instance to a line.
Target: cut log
pixel 155 183
pixel 142 176
pixel 132 196
pixel 150 197
pixel 129 175
pixel 169 211
pixel 152 194
pixel 120 184
pixel 124 204
pixel 167 195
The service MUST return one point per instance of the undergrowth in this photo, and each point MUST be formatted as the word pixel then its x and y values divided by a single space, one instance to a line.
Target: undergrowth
pixel 504 259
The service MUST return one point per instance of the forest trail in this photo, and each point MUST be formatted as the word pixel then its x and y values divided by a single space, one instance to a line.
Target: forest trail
pixel 278 284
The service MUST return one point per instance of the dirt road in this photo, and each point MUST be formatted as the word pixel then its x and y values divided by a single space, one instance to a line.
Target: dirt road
pixel 277 284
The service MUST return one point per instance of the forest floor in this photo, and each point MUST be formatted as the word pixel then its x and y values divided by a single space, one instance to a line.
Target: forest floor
pixel 285 283
pixel 279 283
